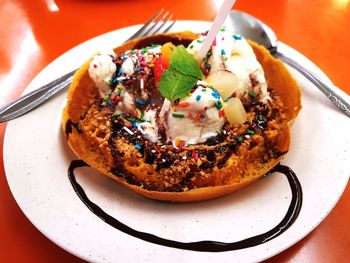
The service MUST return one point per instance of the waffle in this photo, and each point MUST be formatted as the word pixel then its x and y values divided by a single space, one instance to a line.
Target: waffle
pixel 236 157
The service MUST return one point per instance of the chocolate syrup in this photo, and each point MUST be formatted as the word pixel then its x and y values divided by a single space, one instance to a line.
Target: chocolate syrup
pixel 205 245
pixel 68 128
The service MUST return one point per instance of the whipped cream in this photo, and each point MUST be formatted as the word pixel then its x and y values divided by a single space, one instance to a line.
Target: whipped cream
pixel 233 53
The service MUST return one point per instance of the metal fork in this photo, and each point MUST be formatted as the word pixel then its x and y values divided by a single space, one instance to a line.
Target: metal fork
pixel 33 99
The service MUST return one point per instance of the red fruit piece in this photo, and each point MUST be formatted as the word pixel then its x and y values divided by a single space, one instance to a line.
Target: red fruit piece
pixel 160 65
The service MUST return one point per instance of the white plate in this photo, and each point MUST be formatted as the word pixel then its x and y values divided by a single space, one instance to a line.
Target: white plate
pixel 36 160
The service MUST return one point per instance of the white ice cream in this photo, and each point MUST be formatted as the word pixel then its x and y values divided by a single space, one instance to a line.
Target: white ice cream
pixel 101 70
pixel 198 121
pixel 192 119
pixel 233 53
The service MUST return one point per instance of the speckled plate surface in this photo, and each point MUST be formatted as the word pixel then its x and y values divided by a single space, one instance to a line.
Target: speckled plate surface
pixel 37 158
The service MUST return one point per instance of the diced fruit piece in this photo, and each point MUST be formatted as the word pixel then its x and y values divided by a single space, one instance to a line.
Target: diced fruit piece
pixel 160 65
pixel 234 111
pixel 225 82
pixel 166 50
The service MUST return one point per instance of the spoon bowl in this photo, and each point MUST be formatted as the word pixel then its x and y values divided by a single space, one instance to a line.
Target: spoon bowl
pixel 252 28
pixel 255 30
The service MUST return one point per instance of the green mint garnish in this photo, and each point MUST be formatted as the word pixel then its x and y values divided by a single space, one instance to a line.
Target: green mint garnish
pixel 184 62
pixel 252 94
pixel 176 85
pixel 181 76
pixel 250 132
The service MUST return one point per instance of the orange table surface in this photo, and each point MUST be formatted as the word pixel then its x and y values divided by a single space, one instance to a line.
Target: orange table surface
pixel 33 33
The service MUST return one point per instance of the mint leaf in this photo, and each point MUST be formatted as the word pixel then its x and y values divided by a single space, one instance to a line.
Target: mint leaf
pixel 185 63
pixel 179 79
pixel 175 85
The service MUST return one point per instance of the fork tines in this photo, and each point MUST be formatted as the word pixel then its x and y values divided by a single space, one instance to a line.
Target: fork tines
pixel 160 22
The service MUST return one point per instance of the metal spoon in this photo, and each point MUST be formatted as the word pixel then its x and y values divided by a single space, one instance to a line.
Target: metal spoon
pixel 252 28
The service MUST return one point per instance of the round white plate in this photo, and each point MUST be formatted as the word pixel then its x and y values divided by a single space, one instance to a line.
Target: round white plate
pixel 36 161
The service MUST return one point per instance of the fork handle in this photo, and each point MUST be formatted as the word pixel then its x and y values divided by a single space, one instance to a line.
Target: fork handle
pixel 336 95
pixel 33 99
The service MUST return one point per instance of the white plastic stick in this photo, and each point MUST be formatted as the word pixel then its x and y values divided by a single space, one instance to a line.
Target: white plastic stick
pixel 215 27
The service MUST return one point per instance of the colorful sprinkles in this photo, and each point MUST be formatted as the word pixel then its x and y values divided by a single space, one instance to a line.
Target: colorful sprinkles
pixel 250 132
pixel 252 94
pixel 138 146
pixel 219 105
pixel 178 115
pixel 215 94
pixel 184 104
pixel 131 122
pixel 128 130
pixel 140 102
pixel 237 37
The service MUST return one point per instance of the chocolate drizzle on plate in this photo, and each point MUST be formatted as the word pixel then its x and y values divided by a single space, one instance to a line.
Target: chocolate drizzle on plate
pixel 206 245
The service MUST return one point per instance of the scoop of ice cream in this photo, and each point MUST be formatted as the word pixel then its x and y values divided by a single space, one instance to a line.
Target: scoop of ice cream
pixel 191 120
pixel 196 117
pixel 113 74
pixel 232 53
pixel 101 70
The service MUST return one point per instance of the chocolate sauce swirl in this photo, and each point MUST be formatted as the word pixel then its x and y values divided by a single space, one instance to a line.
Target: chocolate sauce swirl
pixel 205 245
